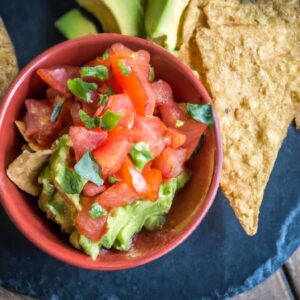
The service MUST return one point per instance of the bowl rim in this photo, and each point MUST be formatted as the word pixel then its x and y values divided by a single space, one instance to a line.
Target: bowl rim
pixel 209 198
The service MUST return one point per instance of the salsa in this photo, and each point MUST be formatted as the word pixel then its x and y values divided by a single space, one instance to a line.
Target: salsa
pixel 120 145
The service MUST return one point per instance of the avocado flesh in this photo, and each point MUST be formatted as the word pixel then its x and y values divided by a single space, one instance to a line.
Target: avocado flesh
pixel 73 25
pixel 55 206
pixel 162 21
pixel 58 162
pixel 119 16
pixel 123 222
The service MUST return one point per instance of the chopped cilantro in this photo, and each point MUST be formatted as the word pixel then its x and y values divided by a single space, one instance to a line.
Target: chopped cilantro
pixel 124 69
pixel 88 169
pixel 140 155
pixel 81 89
pixel 96 211
pixel 100 72
pixel 201 113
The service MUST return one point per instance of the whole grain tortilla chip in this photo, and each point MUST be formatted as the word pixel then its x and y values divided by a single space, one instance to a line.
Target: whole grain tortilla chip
pixel 24 170
pixel 8 61
pixel 248 75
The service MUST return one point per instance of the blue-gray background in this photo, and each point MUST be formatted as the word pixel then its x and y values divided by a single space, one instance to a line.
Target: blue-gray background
pixel 216 261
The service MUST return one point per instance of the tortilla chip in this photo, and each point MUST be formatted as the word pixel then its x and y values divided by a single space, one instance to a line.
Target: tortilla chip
pixel 8 61
pixel 24 170
pixel 34 146
pixel 248 76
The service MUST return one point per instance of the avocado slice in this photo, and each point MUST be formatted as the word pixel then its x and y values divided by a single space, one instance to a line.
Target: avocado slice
pixel 162 19
pixel 119 16
pixel 127 220
pixel 58 162
pixel 74 24
pixel 55 206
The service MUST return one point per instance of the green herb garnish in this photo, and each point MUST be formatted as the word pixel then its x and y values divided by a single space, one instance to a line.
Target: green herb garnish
pixel 88 169
pixel 108 121
pixel 72 183
pixel 201 113
pixel 96 211
pixel 105 54
pixel 179 123
pixel 140 155
pixel 103 99
pixel 100 72
pixel 109 92
pixel 151 74
pixel 124 69
pixel 81 89
pixel 112 179
pixel 56 111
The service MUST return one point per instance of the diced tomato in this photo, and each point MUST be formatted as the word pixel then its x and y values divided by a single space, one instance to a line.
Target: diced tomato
pixel 153 178
pixel 174 138
pixel 149 130
pixel 136 85
pixel 170 162
pixel 132 177
pixel 163 92
pixel 92 228
pixel 111 155
pixel 74 111
pixel 121 50
pixel 98 61
pixel 121 104
pixel 52 94
pixel 91 190
pixel 193 131
pixel 38 124
pixel 117 195
pixel 84 140
pixel 143 56
pixel 57 77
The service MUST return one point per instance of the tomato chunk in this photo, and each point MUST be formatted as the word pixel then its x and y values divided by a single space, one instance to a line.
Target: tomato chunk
pixel 136 85
pixel 117 195
pixel 133 177
pixel 94 229
pixel 170 162
pixel 38 124
pixel 153 178
pixel 121 104
pixel 174 138
pixel 57 77
pixel 149 130
pixel 91 190
pixel 84 140
pixel 111 155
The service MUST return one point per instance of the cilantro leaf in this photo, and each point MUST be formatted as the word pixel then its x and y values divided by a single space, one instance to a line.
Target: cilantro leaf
pixel 124 69
pixel 96 211
pixel 140 155
pixel 72 183
pixel 88 169
pixel 201 113
pixel 199 146
pixel 105 54
pixel 103 99
pixel 56 111
pixel 112 179
pixel 179 123
pixel 100 72
pixel 81 89
pixel 108 121
pixel 151 74
pixel 109 92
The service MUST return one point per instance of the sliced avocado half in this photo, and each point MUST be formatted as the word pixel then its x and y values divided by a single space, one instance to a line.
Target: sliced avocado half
pixel 119 16
pixel 74 24
pixel 162 19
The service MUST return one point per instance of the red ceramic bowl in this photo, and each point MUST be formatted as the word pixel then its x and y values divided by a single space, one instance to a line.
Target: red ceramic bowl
pixel 190 205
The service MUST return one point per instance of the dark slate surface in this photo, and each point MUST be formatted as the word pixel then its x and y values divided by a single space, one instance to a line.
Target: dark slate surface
pixel 216 262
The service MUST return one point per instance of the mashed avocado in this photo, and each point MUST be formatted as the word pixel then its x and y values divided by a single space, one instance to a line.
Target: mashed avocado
pixel 123 222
